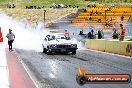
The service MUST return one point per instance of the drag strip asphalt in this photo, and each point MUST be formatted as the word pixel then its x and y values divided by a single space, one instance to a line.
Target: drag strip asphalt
pixel 59 71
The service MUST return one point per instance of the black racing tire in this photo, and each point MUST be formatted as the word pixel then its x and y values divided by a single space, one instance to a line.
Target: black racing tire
pixel 74 52
pixel 49 52
pixel 66 53
pixel 44 50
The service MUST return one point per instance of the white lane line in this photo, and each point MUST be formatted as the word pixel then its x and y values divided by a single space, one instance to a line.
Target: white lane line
pixel 32 77
pixel 113 54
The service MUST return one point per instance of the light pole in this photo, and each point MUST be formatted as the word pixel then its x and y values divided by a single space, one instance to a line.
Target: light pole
pixel 106 14
pixel 12 2
pixel 44 17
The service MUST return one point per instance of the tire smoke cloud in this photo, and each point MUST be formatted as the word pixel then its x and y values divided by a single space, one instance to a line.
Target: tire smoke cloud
pixel 27 37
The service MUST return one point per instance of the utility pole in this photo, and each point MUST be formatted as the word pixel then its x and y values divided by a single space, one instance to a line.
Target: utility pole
pixel 106 14
pixel 44 17
pixel 12 2
pixel 7 3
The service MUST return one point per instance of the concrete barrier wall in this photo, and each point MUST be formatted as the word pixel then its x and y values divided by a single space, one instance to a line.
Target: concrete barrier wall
pixel 112 46
pixel 95 44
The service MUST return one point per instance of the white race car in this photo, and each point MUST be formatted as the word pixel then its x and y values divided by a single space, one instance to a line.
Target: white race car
pixel 58 42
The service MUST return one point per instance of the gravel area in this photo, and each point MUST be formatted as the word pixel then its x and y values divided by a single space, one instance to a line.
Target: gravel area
pixel 37 15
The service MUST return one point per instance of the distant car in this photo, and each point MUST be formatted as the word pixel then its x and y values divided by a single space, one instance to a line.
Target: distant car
pixel 58 42
pixel 58 6
pixel 62 6
pixel 54 5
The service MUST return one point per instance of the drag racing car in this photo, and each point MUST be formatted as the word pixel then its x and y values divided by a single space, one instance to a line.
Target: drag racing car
pixel 58 42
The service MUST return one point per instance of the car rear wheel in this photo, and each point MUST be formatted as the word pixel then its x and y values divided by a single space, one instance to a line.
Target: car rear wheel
pixel 44 50
pixel 73 52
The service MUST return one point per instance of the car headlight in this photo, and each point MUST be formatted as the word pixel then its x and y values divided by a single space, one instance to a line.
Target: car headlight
pixel 53 46
pixel 74 46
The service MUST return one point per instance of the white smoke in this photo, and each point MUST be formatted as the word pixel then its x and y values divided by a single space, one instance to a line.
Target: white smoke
pixel 26 37
pixel 80 44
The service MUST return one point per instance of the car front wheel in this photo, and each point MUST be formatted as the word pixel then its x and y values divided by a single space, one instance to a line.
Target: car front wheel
pixel 48 52
pixel 73 52
pixel 44 50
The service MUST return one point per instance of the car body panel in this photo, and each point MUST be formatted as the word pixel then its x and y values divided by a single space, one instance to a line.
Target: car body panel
pixel 59 43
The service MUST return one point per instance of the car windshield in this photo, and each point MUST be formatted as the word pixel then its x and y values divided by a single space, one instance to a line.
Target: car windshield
pixel 59 36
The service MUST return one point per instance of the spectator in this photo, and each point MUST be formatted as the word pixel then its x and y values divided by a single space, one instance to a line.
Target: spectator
pixel 102 33
pixel 99 21
pixel 38 7
pixel 115 35
pixel 96 12
pixel 94 6
pixel 122 18
pixel 87 19
pixel 73 33
pixel 13 6
pixel 74 6
pixel 106 24
pixel 85 10
pixel 90 19
pixel 114 28
pixel 91 13
pixel 11 38
pixel 99 34
pixel 69 6
pixel 29 7
pixel 66 33
pixel 122 33
pixel 81 33
pixel 92 34
pixel 36 23
pixel 89 35
pixel 26 7
pixel 9 6
pixel 88 5
pixel 111 19
pixel 35 7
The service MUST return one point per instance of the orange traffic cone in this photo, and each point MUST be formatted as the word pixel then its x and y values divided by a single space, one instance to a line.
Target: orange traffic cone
pixel 1 38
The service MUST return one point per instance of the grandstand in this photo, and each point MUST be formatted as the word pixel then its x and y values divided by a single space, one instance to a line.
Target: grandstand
pixel 103 17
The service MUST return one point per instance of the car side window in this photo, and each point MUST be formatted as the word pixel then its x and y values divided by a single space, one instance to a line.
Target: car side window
pixel 48 39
